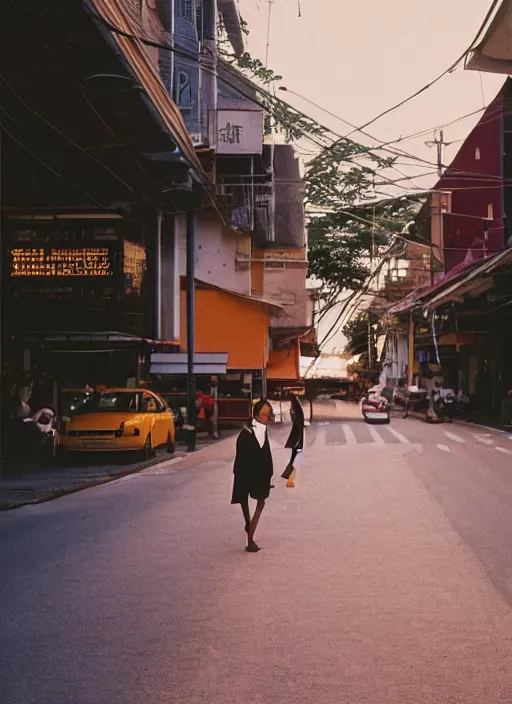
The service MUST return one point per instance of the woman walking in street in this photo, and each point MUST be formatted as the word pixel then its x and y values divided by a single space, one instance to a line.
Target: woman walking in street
pixel 253 469
pixel 295 441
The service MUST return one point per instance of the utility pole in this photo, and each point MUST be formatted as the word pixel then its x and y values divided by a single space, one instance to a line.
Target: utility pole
pixel 439 144
pixel 191 385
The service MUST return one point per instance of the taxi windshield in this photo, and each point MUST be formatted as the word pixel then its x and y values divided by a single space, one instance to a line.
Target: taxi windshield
pixel 104 402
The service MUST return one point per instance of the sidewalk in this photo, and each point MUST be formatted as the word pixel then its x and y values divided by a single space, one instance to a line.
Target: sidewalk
pixel 36 485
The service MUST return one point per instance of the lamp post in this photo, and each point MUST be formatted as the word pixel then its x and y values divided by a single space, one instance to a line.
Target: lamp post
pixel 191 386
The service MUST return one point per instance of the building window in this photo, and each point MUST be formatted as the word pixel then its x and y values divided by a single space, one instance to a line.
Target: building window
pixel 183 91
pixel 188 10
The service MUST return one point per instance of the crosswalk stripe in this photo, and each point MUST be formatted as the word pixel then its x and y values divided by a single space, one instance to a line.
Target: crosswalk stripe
pixel 398 435
pixel 455 438
pixel 349 435
pixel 321 436
pixel 377 438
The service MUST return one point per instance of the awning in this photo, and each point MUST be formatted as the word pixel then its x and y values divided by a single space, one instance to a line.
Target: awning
pixel 494 53
pixel 323 367
pixel 211 364
pixel 475 281
pixel 75 336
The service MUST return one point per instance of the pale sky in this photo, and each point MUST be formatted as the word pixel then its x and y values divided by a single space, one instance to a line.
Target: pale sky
pixel 359 57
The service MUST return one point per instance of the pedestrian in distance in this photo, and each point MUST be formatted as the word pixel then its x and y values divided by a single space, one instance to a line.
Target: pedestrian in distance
pixel 295 441
pixel 253 469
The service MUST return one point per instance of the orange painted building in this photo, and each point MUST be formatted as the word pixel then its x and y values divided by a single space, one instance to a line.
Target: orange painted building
pixel 283 363
pixel 229 322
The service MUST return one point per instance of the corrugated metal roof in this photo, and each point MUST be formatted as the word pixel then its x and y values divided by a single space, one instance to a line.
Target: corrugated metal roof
pixel 243 296
pixel 118 18
pixel 488 266
pixel 419 295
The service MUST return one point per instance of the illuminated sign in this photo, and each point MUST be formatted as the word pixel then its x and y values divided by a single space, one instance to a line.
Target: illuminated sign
pixel 85 261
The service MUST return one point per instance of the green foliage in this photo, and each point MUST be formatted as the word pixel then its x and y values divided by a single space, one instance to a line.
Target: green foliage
pixel 339 181
pixel 356 333
pixel 257 69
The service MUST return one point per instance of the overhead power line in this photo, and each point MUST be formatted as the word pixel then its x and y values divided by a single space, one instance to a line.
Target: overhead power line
pixel 429 85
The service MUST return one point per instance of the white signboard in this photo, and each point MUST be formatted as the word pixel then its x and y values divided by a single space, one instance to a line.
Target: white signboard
pixel 239 132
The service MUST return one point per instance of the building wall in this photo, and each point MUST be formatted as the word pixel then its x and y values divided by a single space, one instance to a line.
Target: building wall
pixel 282 274
pixel 288 288
pixel 217 250
pixel 475 178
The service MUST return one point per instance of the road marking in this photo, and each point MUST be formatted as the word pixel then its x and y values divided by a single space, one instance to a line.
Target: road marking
pixel 321 436
pixel 455 438
pixel 349 435
pixel 444 448
pixel 484 440
pixel 503 450
pixel 377 438
pixel 398 435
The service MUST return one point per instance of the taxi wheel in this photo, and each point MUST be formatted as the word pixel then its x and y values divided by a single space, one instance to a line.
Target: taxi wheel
pixel 171 448
pixel 148 451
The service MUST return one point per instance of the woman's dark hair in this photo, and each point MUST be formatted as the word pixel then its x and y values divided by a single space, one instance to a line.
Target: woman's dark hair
pixel 259 406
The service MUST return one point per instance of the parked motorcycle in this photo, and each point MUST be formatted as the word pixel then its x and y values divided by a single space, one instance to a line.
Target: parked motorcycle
pixel 375 409
pixel 446 407
pixel 417 400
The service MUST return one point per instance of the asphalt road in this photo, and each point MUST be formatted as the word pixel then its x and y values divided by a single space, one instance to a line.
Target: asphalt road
pixel 385 578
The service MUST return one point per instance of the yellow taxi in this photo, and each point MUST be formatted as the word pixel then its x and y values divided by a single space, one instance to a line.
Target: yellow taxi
pixel 114 420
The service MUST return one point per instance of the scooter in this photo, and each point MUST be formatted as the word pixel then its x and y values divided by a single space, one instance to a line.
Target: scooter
pixel 375 410
pixel 446 408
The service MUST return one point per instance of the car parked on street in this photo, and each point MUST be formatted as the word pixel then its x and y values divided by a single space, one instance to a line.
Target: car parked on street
pixel 114 420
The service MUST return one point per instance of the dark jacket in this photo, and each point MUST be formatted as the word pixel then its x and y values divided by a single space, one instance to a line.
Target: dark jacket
pixel 296 438
pixel 253 468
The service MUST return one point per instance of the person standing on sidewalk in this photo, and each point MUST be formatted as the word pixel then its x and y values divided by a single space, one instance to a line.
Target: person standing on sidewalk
pixel 253 469
pixel 295 441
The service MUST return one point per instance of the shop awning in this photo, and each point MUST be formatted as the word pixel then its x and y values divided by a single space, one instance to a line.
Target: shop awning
pixel 476 282
pixel 211 364
pixel 95 336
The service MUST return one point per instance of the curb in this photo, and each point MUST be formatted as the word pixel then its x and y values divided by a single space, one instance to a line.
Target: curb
pixel 462 423
pixel 59 493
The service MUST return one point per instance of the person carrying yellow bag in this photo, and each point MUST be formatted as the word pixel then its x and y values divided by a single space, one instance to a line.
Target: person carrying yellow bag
pixel 295 441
